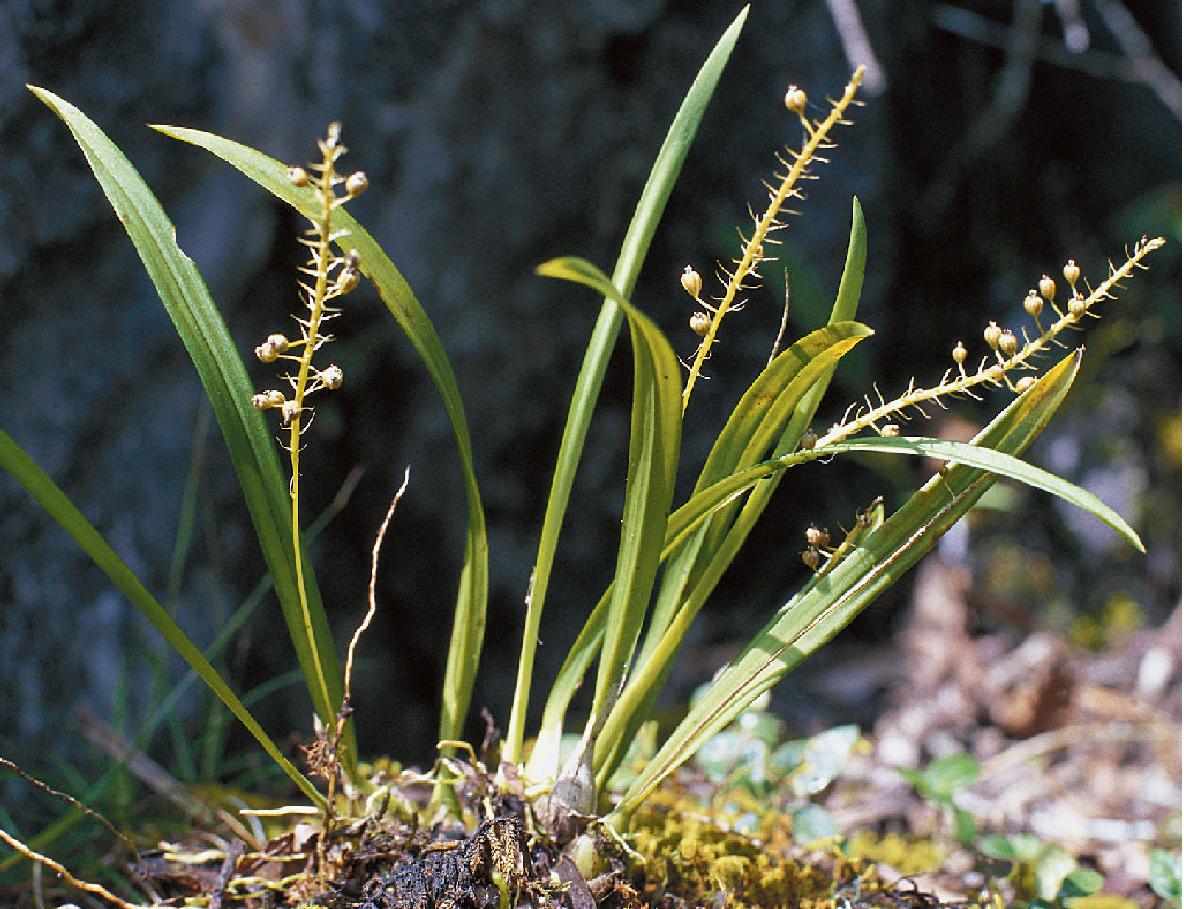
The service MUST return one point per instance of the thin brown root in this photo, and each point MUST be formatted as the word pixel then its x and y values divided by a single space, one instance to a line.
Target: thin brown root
pixel 60 870
pixel 390 513
pixel 33 781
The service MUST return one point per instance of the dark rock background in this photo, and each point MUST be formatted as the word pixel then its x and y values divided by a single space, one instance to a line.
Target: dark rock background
pixel 497 134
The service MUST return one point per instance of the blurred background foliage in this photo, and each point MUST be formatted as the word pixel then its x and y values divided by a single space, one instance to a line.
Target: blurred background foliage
pixel 999 139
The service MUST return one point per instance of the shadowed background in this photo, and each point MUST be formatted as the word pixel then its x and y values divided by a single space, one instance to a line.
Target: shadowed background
pixel 999 138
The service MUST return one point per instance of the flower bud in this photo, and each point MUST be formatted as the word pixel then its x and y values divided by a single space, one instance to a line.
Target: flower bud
pixel 297 176
pixel 1072 273
pixel 356 183
pixel 1024 384
pixel 890 431
pixel 352 259
pixel 1033 304
pixel 289 411
pixel 817 537
pixel 348 280
pixel 995 373
pixel 1008 344
pixel 331 377
pixel 811 558
pixel 691 282
pixel 700 323
pixel 1077 306
pixel 809 440
pixel 1048 287
pixel 266 399
pixel 991 335
pixel 795 100
pixel 959 353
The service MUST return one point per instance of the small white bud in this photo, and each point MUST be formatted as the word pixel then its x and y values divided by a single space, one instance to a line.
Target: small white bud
pixel 795 100
pixel 331 377
pixel 356 183
pixel 691 282
pixel 700 323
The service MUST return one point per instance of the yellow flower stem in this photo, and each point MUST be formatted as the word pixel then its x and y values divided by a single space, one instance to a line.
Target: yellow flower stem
pixel 967 381
pixel 317 308
pixel 753 247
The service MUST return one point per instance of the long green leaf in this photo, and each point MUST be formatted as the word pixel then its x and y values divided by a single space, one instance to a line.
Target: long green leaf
pixel 468 628
pixel 650 206
pixel 750 432
pixel 204 334
pixel 700 562
pixel 811 618
pixel 25 471
pixel 654 438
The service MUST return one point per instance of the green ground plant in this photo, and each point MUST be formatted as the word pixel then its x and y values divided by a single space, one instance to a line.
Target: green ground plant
pixel 670 558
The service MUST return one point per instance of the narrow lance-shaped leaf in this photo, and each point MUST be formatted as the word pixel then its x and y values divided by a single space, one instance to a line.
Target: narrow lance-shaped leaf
pixel 468 627
pixel 701 560
pixel 25 471
pixel 750 432
pixel 204 334
pixel 655 432
pixel 814 616
pixel 650 206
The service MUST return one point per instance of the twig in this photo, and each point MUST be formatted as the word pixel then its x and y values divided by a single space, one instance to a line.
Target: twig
pixel 151 774
pixel 33 781
pixel 1135 44
pixel 1012 87
pixel 225 873
pixel 60 870
pixel 856 45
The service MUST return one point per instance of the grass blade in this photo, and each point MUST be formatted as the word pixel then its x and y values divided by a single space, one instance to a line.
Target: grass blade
pixel 26 472
pixel 824 607
pixel 636 244
pixel 654 436
pixel 224 377
pixel 468 628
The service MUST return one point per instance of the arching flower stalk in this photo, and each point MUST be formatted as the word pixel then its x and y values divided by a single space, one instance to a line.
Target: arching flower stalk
pixel 1006 355
pixel 744 275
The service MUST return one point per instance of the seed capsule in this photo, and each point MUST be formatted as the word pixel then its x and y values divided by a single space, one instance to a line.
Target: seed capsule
pixel 795 100
pixel 352 259
pixel 959 353
pixel 1033 304
pixel 1072 273
pixel 700 323
pixel 331 377
pixel 1077 306
pixel 289 411
pixel 995 373
pixel 812 558
pixel 1048 287
pixel 691 282
pixel 1024 384
pixel 266 399
pixel 1008 344
pixel 297 176
pixel 809 440
pixel 890 431
pixel 356 183
pixel 348 280
pixel 817 537
pixel 991 335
